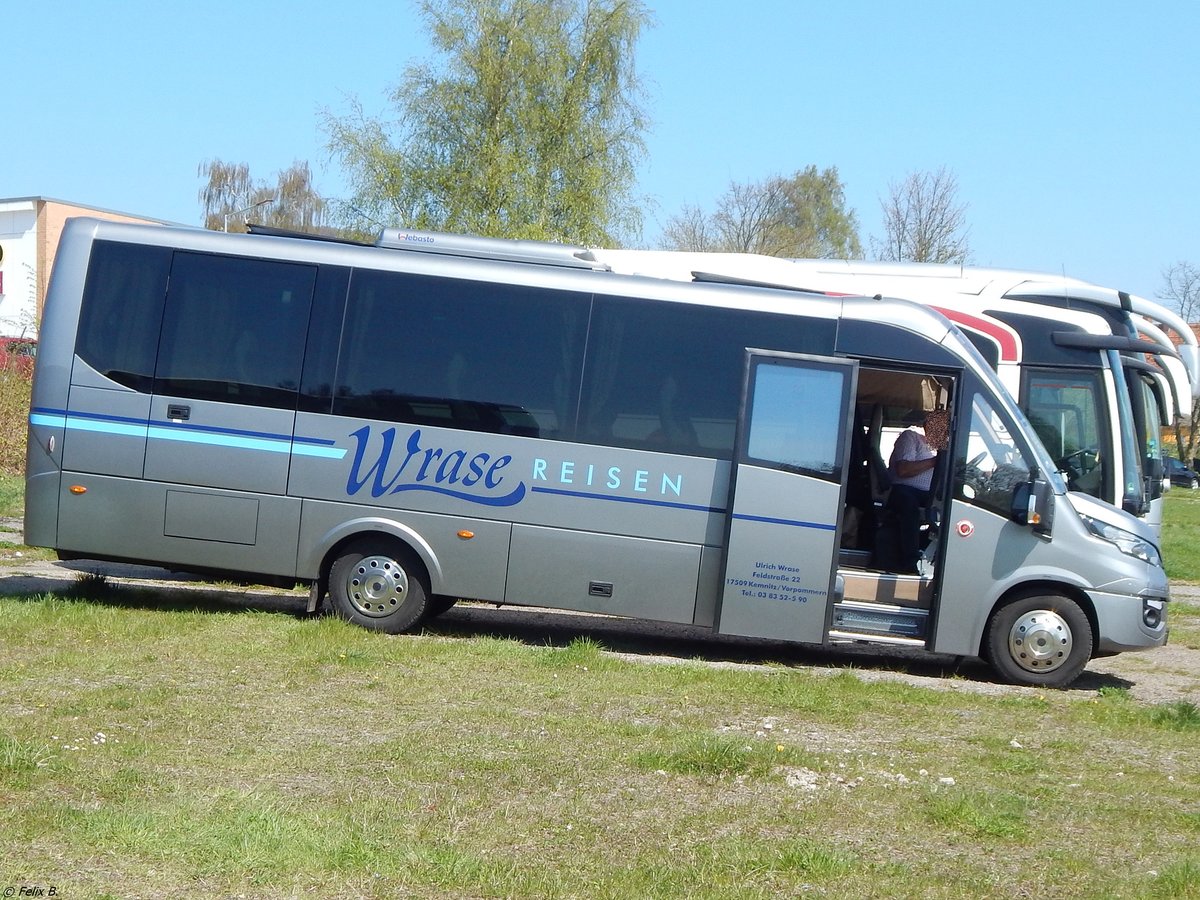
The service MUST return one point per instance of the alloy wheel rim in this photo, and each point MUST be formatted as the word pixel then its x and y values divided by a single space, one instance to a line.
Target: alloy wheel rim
pixel 377 586
pixel 1040 641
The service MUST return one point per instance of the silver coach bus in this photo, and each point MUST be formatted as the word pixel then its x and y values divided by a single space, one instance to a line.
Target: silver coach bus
pixel 434 417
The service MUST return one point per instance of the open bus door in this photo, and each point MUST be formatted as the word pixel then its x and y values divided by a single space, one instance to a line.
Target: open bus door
pixel 787 490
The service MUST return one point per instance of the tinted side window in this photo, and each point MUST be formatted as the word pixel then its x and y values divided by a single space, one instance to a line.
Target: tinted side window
pixel 461 354
pixel 667 376
pixel 122 311
pixel 234 329
pixel 325 329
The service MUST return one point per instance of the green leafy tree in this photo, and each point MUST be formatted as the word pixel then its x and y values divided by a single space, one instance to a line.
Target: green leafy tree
pixel 527 124
pixel 923 220
pixel 230 198
pixel 803 215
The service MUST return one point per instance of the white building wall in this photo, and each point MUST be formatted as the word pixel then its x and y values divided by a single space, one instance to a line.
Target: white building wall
pixel 18 268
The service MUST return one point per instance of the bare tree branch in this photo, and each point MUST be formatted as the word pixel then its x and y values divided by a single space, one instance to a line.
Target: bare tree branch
pixel 923 220
pixel 803 215
pixel 1182 292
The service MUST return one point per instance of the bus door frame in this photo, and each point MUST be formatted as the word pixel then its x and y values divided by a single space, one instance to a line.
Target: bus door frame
pixel 784 519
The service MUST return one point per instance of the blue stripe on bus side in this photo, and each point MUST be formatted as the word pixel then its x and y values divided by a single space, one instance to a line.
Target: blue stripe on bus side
pixel 218 438
pixel 770 520
pixel 192 434
pixel 584 495
pixel 315 447
pixel 640 500
pixel 61 415
pixel 126 427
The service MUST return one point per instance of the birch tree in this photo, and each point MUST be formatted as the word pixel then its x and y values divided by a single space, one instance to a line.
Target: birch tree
pixel 526 123
pixel 230 198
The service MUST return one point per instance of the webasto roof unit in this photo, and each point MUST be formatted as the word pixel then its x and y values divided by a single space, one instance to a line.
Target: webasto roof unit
pixel 538 252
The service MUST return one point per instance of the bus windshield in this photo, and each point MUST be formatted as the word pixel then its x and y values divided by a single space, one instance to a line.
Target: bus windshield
pixel 1066 409
pixel 1133 484
pixel 1151 431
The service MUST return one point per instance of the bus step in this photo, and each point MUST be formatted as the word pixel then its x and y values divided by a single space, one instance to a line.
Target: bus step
pixel 874 620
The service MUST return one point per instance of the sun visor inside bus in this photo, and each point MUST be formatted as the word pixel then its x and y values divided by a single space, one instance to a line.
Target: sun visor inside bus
pixel 895 389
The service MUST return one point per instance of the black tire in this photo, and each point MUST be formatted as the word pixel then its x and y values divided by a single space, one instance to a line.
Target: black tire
pixel 378 583
pixel 1039 640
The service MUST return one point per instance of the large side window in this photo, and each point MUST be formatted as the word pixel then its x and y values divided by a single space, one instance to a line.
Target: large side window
pixel 668 376
pixel 122 311
pixel 994 463
pixel 234 329
pixel 461 354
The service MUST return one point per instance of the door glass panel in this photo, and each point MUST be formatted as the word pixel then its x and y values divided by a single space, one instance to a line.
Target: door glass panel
pixel 796 419
pixel 786 497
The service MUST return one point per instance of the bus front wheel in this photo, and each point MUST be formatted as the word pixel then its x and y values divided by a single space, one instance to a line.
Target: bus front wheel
pixel 1040 640
pixel 379 584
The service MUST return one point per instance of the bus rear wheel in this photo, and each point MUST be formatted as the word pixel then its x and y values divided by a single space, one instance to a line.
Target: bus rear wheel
pixel 1039 640
pixel 378 584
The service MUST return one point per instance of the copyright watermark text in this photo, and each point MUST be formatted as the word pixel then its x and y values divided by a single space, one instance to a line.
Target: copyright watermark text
pixel 31 890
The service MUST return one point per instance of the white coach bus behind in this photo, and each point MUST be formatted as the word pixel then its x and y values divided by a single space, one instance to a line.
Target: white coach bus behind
pixel 1097 371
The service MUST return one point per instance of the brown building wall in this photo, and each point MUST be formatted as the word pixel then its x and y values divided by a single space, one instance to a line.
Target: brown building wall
pixel 52 217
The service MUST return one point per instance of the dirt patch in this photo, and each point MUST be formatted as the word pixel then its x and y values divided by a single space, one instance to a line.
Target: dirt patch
pixel 1163 675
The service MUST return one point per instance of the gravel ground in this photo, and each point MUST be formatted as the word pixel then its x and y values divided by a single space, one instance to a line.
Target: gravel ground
pixel 1163 675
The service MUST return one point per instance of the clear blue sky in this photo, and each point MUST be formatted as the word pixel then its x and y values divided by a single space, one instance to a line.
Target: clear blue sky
pixel 1073 127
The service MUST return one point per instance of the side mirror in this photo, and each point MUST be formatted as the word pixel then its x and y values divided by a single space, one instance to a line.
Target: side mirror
pixel 1156 478
pixel 1155 467
pixel 1033 505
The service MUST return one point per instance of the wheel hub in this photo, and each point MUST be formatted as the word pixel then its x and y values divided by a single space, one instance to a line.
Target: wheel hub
pixel 1040 641
pixel 377 586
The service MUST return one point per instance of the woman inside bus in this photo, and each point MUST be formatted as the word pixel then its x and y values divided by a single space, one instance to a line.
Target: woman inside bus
pixel 912 465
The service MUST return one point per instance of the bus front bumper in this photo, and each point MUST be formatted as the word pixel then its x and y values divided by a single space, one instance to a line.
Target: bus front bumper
pixel 1130 622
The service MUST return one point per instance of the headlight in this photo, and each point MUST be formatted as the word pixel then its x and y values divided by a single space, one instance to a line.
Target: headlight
pixel 1128 543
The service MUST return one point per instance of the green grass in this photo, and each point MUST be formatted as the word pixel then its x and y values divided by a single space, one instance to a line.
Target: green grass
pixel 12 495
pixel 1181 535
pixel 14 421
pixel 197 749
pixel 168 746
pixel 1185 623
